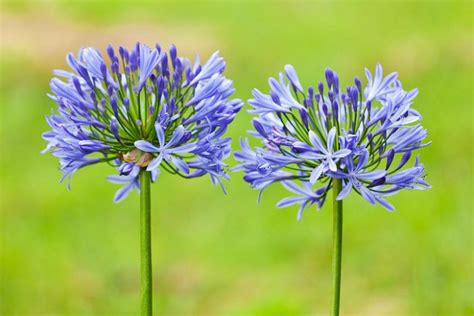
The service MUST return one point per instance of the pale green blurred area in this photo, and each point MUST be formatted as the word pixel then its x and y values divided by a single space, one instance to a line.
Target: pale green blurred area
pixel 77 253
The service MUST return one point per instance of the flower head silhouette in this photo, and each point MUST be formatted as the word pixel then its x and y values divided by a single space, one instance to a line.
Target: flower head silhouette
pixel 319 136
pixel 146 108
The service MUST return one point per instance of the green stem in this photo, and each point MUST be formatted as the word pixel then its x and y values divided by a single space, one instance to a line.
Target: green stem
pixel 337 248
pixel 145 243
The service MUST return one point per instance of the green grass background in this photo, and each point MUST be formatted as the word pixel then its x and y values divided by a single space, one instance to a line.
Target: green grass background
pixel 77 253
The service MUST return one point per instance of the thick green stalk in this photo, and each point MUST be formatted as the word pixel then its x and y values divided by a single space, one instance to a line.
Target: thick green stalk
pixel 145 244
pixel 337 248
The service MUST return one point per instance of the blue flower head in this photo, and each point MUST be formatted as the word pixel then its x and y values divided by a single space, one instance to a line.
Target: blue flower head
pixel 315 136
pixel 141 109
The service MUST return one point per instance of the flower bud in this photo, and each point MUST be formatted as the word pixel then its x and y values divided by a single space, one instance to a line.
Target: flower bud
pixel 321 88
pixel 358 84
pixel 110 52
pixel 173 54
pixel 329 77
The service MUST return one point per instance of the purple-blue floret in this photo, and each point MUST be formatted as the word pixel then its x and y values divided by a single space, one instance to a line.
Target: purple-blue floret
pixel 361 136
pixel 143 109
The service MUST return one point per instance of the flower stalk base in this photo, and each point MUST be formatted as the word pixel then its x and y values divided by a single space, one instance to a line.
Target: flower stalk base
pixel 337 248
pixel 145 244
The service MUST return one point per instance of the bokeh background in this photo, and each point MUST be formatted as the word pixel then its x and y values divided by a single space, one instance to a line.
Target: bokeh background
pixel 76 253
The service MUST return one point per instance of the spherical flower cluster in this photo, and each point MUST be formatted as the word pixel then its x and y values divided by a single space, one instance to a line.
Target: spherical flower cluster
pixel 363 137
pixel 143 109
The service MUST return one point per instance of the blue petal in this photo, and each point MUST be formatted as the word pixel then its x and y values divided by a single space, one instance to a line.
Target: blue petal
pixel 123 192
pixel 367 194
pixel 118 179
pixel 385 204
pixel 316 173
pixel 372 175
pixel 345 191
pixel 288 201
pixel 291 186
pixel 331 137
pixel 215 64
pixel 183 149
pixel 176 136
pixel 363 159
pixel 180 164
pixel 332 165
pixel 316 142
pixel 146 146
pixel 160 134
pixel 149 59
pixel 155 163
pixel 341 153
pixel 293 77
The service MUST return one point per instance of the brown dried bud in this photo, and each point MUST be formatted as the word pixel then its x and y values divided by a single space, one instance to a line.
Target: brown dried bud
pixel 140 158
pixel 144 160
pixel 131 155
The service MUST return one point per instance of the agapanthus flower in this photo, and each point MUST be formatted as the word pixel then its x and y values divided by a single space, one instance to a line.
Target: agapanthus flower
pixel 318 136
pixel 142 108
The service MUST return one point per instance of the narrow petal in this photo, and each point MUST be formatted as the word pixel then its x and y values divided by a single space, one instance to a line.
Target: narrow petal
pixel 331 137
pixel 385 204
pixel 154 174
pixel 122 193
pixel 316 142
pixel 291 186
pixel 118 179
pixel 149 59
pixel 316 173
pixel 372 175
pixel 176 137
pixel 332 165
pixel 367 194
pixel 146 146
pixel 341 153
pixel 301 211
pixel 289 201
pixel 293 77
pixel 180 164
pixel 186 148
pixel 363 159
pixel 160 134
pixel 345 191
pixel 155 163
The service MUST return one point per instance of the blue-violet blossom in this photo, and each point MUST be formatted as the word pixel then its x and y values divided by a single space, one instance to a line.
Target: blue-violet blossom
pixel 142 109
pixel 314 136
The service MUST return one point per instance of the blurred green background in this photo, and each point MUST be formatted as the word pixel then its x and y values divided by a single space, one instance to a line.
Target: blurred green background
pixel 77 253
